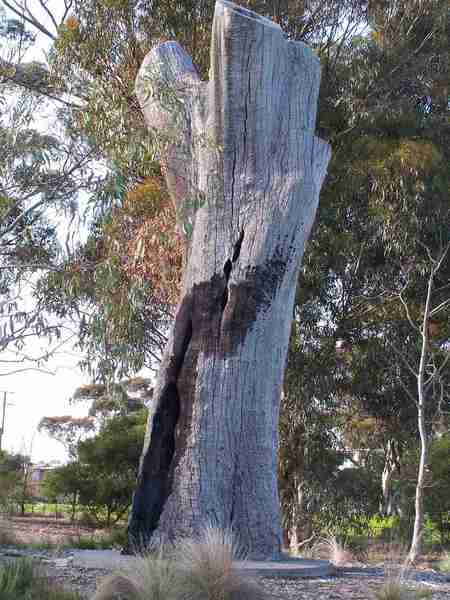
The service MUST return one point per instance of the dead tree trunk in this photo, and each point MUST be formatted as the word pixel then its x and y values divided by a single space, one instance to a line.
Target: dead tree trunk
pixel 244 169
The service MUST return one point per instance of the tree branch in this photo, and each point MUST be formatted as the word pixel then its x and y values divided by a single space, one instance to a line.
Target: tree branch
pixel 49 13
pixel 402 357
pixel 30 19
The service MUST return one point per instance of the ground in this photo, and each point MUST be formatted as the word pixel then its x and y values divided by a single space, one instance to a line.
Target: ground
pixel 44 530
pixel 357 582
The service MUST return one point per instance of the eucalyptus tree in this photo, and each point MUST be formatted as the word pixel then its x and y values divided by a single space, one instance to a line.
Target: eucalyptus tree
pixel 96 50
pixel 384 108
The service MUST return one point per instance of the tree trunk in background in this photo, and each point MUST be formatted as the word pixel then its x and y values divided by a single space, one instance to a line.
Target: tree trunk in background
pixel 244 170
pixel 416 542
pixel 391 463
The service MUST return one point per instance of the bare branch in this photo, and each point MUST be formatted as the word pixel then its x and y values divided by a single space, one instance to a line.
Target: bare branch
pixel 22 12
pixel 407 391
pixel 22 370
pixel 437 372
pixel 437 309
pixel 408 314
pixel 50 14
pixel 402 357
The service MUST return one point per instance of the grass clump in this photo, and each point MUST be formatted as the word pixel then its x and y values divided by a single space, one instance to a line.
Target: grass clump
pixel 195 569
pixel 22 580
pixel 152 577
pixel 395 589
pixel 207 572
pixel 331 548
pixel 396 585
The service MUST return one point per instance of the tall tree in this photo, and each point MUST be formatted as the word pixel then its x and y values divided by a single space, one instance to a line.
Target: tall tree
pixel 384 106
pixel 244 243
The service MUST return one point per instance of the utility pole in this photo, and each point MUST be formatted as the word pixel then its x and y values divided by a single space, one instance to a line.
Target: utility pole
pixel 2 430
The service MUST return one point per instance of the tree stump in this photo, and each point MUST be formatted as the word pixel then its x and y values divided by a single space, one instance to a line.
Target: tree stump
pixel 244 169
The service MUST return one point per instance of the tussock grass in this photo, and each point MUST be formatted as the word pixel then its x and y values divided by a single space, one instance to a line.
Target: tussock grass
pixel 395 589
pixel 206 569
pixel 152 577
pixel 396 585
pixel 22 580
pixel 194 569
pixel 329 547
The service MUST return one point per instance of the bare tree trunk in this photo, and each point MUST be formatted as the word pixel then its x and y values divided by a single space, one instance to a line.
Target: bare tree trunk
pixel 301 526
pixel 416 542
pixel 391 464
pixel 245 170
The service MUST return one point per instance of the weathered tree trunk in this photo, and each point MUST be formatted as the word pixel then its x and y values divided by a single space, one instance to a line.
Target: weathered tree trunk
pixel 245 170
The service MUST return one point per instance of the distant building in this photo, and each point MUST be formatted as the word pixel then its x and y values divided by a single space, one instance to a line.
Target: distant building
pixel 36 477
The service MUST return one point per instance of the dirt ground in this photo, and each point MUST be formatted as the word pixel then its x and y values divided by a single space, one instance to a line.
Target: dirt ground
pixel 33 529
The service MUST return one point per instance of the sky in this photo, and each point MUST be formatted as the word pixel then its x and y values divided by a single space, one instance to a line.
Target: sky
pixel 32 394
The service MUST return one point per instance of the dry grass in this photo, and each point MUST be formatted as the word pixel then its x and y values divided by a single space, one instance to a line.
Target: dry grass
pixel 395 589
pixel 200 569
pixel 22 580
pixel 152 577
pixel 396 585
pixel 207 572
pixel 331 549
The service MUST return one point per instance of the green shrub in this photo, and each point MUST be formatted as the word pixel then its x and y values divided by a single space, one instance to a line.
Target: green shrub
pixel 381 527
pixel 22 580
pixel 444 565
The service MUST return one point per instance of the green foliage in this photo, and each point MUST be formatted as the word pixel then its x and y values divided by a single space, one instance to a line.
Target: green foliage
pixel 437 501
pixel 14 476
pixel 384 208
pixel 102 473
pixel 444 565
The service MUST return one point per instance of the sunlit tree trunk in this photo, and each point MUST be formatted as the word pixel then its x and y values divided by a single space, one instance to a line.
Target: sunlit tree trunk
pixel 424 382
pixel 416 542
pixel 244 169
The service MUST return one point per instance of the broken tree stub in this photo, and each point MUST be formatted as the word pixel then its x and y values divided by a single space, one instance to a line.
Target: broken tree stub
pixel 244 169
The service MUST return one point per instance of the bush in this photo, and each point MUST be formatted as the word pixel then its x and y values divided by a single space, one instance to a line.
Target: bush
pixel 21 580
pixel 196 569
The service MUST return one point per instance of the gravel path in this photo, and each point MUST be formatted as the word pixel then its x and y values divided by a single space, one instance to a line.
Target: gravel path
pixel 351 584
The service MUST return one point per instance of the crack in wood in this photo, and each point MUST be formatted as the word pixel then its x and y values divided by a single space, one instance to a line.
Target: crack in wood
pixel 227 268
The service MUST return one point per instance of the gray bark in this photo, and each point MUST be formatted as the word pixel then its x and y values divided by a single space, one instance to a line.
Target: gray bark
pixel 244 170
pixel 416 542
